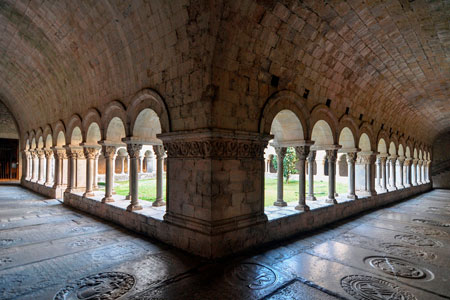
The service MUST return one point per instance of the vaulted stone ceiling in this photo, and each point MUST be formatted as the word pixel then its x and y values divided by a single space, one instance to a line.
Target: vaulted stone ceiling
pixel 387 60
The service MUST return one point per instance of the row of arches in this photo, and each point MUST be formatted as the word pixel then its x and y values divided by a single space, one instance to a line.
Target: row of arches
pixel 377 162
pixel 77 144
pixel 66 154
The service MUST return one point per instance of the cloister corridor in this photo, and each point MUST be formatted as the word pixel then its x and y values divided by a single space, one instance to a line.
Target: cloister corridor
pixel 50 251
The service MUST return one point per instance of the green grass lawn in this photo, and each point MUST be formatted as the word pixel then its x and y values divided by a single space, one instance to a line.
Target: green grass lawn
pixel 290 190
pixel 147 189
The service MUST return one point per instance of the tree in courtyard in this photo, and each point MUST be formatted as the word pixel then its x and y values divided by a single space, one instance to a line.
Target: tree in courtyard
pixel 289 163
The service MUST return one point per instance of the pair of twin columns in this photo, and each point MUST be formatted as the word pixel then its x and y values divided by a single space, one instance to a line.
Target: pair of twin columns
pixel 91 153
pixel 307 152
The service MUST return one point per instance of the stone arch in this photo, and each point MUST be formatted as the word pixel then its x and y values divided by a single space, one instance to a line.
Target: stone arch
pixel 26 140
pixel 347 138
pixel 74 133
pixel 146 126
pixel 322 134
pixel 408 152
pixel 401 151
pixel 115 130
pixel 364 142
pixel 392 148
pixel 93 134
pixel 114 110
pixel 39 139
pixel 323 112
pixel 91 117
pixel 148 99
pixel 32 139
pixel 287 128
pixel 382 147
pixel 48 136
pixel 383 134
pixel 394 139
pixel 59 130
pixel 415 153
pixel 366 128
pixel 420 154
pixel 348 122
pixel 284 100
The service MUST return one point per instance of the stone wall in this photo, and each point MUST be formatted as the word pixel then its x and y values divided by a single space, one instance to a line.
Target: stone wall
pixel 441 155
pixel 8 129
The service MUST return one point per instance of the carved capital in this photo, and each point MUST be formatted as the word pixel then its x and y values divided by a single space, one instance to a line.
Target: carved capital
pixel 366 159
pixel 48 153
pixel 40 153
pixel 90 152
pixel 134 150
pixel 311 156
pixel 75 153
pixel 407 162
pixel 351 157
pixel 302 152
pixel 159 151
pixel 420 162
pixel 414 161
pixel 281 152
pixel 109 151
pixel 331 155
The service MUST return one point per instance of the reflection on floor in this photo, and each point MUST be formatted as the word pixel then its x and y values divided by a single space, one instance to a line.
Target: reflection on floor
pixel 48 251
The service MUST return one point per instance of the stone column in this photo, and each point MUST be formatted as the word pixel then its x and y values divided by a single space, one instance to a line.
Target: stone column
pixel 392 177
pixel 73 153
pixel 351 159
pixel 420 164
pixel 414 167
pixel 134 152
pixel 122 159
pixel 401 161
pixel 41 156
pixel 311 158
pixel 95 184
pixel 383 174
pixel 428 171
pixel 331 157
pixel 48 175
pixel 26 165
pixel 90 153
pixel 379 173
pixel 35 166
pixel 302 152
pixel 141 163
pixel 407 166
pixel 159 151
pixel 281 152
pixel 59 154
pixel 109 152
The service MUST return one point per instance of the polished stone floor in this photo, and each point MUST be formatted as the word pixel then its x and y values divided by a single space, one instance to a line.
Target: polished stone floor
pixel 48 251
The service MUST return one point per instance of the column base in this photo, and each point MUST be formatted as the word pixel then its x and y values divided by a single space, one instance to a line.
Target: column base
pixel 88 194
pixel 400 187
pixel 391 189
pixel 280 203
pixel 311 198
pixel 132 207
pixel 128 197
pixel 407 185
pixel 107 200
pixel 350 196
pixel 40 182
pixel 383 190
pixel 302 207
pixel 159 203
pixel 331 200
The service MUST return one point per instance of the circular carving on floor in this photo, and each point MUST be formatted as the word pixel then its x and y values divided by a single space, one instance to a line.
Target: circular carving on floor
pixel 363 287
pixel 87 242
pixel 82 229
pixel 101 286
pixel 432 222
pixel 426 231
pixel 417 240
pixel 5 261
pixel 254 276
pixel 407 252
pixel 396 267
pixel 8 242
